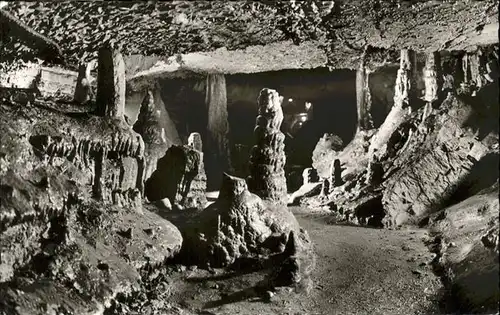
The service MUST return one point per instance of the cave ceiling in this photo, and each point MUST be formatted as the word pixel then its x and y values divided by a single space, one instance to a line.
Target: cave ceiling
pixel 255 36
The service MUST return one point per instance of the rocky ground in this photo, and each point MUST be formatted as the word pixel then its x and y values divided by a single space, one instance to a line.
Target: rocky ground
pixel 358 271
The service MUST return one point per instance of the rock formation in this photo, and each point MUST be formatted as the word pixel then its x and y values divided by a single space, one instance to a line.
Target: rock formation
pixel 194 140
pixel 336 178
pixel 432 76
pixel 467 248
pixel 75 253
pixel 325 188
pixel 110 83
pixel 180 177
pixel 324 153
pixel 217 145
pixel 240 225
pixel 267 159
pixel 83 89
pixel 309 175
pixel 431 176
pixel 149 126
pixel 403 98
pixel 363 97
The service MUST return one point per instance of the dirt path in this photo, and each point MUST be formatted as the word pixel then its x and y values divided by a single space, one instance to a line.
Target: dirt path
pixel 370 271
pixel 359 271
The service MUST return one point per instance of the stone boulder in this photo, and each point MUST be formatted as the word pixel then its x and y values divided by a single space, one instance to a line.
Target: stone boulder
pixel 239 225
pixel 324 153
pixel 180 177
pixel 467 251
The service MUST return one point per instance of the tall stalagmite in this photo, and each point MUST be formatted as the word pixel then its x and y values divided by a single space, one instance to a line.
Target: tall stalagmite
pixel 110 83
pixel 217 153
pixel 267 160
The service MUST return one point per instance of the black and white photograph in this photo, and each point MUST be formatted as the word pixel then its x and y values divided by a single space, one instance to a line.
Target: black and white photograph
pixel 249 157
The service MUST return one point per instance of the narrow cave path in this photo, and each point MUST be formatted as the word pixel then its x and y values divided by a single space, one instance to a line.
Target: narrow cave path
pixel 370 271
pixel 359 271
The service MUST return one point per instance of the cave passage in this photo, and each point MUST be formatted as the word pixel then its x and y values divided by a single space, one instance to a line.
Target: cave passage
pixel 315 102
pixel 330 96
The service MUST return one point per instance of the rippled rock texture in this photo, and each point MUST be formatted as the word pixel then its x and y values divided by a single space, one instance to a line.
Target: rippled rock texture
pixel 73 233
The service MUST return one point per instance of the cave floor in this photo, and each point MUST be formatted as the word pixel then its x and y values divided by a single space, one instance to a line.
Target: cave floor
pixel 359 271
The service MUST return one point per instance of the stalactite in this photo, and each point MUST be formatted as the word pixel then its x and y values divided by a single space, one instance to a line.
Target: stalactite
pixel 217 153
pixel 110 83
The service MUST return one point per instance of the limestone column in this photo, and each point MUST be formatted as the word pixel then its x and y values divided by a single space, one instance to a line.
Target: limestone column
pixel 110 83
pixel 149 126
pixel 217 149
pixel 363 98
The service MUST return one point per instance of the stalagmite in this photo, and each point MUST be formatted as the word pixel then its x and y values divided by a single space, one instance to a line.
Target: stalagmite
pixel 325 188
pixel 218 128
pixel 404 95
pixel 375 173
pixel 267 160
pixel 363 98
pixel 180 177
pixel 110 83
pixel 194 140
pixel 337 174
pixel 83 89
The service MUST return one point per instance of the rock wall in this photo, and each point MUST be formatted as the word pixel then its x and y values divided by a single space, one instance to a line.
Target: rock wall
pixel 434 165
pixel 71 220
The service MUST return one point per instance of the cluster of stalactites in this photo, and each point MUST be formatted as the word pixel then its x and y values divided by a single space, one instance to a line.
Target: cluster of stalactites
pixel 85 150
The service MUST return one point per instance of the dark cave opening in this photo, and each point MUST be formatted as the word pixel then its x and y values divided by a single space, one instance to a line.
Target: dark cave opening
pixel 381 83
pixel 331 96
